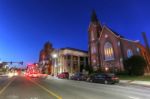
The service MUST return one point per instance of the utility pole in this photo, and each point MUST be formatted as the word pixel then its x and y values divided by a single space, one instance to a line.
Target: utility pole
pixel 146 42
pixel 147 47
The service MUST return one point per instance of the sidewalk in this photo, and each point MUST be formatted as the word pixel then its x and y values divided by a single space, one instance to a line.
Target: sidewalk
pixel 135 82
pixel 51 77
pixel 125 82
pixel 3 75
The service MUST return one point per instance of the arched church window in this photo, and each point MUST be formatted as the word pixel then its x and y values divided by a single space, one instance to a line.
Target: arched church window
pixel 137 49
pixel 129 53
pixel 93 49
pixel 108 51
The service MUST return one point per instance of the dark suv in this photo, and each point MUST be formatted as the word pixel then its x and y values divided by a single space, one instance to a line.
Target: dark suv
pixel 105 78
pixel 79 76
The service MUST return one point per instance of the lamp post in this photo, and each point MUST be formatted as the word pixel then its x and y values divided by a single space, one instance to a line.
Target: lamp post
pixel 55 56
pixel 106 69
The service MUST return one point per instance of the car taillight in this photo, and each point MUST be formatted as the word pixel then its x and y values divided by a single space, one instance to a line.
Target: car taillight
pixel 114 78
pixel 35 75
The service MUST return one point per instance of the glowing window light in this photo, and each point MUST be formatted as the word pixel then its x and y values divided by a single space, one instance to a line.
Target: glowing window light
pixel 108 51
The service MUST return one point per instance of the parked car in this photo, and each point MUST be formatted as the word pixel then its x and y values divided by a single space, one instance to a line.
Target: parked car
pixel 105 78
pixel 32 75
pixel 79 76
pixel 63 75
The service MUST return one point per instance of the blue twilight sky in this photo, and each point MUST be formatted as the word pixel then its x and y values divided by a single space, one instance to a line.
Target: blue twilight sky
pixel 25 25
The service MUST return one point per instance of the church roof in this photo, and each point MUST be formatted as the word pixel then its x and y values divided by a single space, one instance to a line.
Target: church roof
pixel 120 36
pixel 69 48
pixel 94 19
pixel 116 33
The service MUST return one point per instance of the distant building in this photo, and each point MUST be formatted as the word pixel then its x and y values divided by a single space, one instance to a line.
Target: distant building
pixel 69 60
pixel 54 61
pixel 108 49
pixel 45 59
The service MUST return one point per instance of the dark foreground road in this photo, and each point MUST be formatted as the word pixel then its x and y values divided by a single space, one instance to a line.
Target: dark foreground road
pixel 24 88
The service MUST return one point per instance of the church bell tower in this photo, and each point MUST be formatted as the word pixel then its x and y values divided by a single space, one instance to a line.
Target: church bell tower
pixel 93 41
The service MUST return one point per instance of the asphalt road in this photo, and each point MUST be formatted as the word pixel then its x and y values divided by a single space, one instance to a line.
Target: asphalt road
pixel 22 88
pixel 51 88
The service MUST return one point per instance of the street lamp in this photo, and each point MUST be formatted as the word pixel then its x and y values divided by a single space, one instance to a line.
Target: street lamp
pixel 54 56
pixel 106 69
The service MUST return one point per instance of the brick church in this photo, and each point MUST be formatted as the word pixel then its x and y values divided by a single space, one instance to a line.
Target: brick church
pixel 108 49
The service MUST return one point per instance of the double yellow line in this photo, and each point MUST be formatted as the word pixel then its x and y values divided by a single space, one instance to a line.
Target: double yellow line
pixel 45 89
pixel 42 87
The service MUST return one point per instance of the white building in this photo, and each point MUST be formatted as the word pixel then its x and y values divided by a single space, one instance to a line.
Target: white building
pixel 69 60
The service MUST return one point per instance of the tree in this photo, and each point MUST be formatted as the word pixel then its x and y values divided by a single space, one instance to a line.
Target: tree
pixel 89 69
pixel 135 65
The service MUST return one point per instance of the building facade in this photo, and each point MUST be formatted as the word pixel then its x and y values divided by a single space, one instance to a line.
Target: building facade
pixel 69 60
pixel 45 59
pixel 146 55
pixel 108 49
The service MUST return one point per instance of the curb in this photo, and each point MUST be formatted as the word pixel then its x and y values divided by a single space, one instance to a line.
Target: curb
pixel 133 82
pixel 140 85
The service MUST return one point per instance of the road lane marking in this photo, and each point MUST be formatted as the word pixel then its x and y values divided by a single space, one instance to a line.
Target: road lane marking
pixel 133 97
pixel 5 87
pixel 45 89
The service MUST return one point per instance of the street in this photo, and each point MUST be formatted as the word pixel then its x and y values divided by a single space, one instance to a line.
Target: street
pixel 51 88
pixel 22 88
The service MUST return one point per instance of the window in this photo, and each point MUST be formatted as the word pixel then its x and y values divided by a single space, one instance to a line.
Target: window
pixel 108 51
pixel 121 59
pixel 94 60
pixel 81 58
pixel 106 36
pixel 99 76
pixel 68 57
pixel 75 58
pixel 118 43
pixel 137 49
pixel 92 36
pixel 93 49
pixel 129 53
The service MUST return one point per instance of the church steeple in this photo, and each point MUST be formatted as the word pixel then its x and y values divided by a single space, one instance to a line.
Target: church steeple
pixel 94 30
pixel 94 17
pixel 95 22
